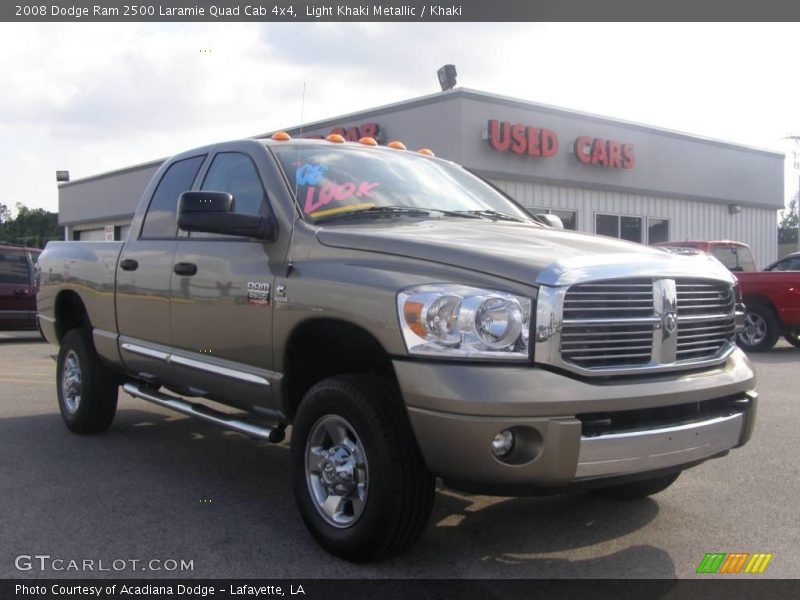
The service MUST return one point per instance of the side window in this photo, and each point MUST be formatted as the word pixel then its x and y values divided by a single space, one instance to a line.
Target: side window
pixel 788 264
pixel 235 173
pixel 14 268
pixel 161 220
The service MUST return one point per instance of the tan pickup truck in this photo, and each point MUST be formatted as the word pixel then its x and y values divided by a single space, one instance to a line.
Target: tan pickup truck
pixel 409 322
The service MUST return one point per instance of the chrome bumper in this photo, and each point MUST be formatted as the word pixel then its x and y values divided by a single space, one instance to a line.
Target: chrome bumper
pixel 653 449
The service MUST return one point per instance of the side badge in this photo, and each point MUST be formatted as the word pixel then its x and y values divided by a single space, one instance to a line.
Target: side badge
pixel 280 293
pixel 257 293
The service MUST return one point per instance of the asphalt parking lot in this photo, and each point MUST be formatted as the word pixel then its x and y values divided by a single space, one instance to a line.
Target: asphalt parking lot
pixel 162 486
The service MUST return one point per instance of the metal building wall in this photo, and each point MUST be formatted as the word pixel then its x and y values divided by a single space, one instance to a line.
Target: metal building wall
pixel 689 219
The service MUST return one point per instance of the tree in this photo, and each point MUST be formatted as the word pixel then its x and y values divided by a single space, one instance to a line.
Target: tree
pixel 31 227
pixel 787 228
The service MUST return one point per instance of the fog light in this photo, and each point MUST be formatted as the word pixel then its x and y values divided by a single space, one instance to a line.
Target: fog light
pixel 503 443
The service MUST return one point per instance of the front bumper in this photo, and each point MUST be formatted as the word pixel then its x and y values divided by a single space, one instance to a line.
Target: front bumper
pixel 456 410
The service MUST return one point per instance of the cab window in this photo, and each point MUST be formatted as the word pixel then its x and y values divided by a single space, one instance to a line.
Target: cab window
pixel 14 268
pixel 235 173
pixel 161 220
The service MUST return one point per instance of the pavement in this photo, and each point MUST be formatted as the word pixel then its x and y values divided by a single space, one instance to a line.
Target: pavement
pixel 162 487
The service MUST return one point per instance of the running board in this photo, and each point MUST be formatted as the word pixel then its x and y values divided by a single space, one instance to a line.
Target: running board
pixel 203 412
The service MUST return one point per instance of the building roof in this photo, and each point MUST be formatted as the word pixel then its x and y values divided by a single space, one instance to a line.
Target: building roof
pixel 518 103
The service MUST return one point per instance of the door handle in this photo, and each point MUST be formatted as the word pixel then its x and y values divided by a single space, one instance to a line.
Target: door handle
pixel 184 268
pixel 128 264
pixel 21 292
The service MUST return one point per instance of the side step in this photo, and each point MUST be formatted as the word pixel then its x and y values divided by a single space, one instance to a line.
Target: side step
pixel 201 411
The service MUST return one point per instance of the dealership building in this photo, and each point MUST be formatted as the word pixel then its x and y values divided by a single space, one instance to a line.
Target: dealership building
pixel 600 175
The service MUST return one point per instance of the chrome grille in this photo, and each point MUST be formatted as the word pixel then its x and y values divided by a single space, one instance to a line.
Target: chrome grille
pixel 621 324
pixel 596 330
pixel 613 299
pixel 604 345
pixel 698 297
pixel 705 318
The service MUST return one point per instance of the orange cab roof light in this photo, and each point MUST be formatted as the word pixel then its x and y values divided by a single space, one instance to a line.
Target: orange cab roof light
pixel 281 136
pixel 335 138
pixel 426 152
pixel 396 145
pixel 368 141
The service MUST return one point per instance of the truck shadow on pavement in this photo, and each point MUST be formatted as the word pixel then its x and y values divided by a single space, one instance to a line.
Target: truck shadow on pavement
pixel 163 485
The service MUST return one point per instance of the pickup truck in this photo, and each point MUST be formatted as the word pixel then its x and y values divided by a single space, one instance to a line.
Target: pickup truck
pixel 771 297
pixel 408 321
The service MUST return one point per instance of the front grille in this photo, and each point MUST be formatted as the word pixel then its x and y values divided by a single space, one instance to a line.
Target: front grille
pixel 618 323
pixel 609 300
pixel 698 297
pixel 705 318
pixel 597 332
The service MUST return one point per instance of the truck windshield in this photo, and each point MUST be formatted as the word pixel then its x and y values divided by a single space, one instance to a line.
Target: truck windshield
pixel 344 180
pixel 736 258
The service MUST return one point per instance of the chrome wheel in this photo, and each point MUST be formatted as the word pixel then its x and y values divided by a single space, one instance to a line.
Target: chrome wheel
pixel 755 329
pixel 336 471
pixel 71 382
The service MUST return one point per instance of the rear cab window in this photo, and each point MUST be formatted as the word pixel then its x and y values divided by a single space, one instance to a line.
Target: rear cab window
pixel 735 258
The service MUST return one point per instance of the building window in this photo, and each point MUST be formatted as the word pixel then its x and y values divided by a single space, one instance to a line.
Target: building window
pixel 568 217
pixel 619 226
pixel 657 230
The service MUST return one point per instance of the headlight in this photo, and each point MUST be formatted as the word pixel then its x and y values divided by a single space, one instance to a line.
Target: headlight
pixel 465 322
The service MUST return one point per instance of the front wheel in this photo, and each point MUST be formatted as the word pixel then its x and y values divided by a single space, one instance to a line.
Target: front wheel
pixel 359 480
pixel 761 329
pixel 87 388
pixel 636 490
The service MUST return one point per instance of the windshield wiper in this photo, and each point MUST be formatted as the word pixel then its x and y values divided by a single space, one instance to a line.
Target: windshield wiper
pixel 376 210
pixel 491 214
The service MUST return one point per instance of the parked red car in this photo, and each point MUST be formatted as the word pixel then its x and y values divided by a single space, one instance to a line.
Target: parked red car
pixel 17 288
pixel 772 297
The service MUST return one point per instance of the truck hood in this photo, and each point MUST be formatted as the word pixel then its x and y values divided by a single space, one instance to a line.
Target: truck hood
pixel 519 251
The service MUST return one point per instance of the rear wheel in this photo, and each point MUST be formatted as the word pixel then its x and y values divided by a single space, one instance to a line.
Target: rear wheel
pixel 87 388
pixel 636 490
pixel 359 480
pixel 761 329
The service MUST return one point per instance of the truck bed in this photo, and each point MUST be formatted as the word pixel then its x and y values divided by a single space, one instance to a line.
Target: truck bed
pixel 89 269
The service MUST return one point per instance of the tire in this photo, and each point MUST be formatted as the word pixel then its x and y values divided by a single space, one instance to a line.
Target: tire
pixel 761 329
pixel 87 388
pixel 385 490
pixel 793 337
pixel 636 490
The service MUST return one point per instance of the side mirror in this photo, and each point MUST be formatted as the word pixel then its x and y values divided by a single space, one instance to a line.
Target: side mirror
pixel 212 212
pixel 551 220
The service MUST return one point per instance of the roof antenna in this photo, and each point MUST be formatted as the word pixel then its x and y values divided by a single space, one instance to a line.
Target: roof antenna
pixel 300 136
pixel 302 108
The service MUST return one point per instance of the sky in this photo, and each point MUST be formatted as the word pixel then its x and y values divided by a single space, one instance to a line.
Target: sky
pixel 93 97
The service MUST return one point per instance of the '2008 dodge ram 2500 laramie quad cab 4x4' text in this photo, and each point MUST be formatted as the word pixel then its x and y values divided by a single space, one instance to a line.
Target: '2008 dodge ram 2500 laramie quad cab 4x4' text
pixel 408 321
